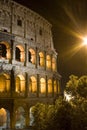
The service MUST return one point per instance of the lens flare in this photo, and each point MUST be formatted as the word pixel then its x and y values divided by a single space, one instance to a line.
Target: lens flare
pixel 85 40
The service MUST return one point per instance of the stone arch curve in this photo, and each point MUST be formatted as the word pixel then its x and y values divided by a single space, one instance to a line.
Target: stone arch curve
pixel 32 56
pixel 4 82
pixel 32 85
pixel 19 53
pixel 49 84
pixel 48 61
pixel 41 59
pixel 4 118
pixel 5 52
pixel 42 85
pixel 20 83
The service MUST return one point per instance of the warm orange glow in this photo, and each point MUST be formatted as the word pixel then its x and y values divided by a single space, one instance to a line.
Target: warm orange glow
pixel 49 86
pixel 48 61
pixel 4 83
pixel 75 31
pixel 3 116
pixel 85 40
pixel 53 64
pixel 55 86
pixel 20 84
pixel 33 85
pixel 41 60
pixel 42 85
pixel 33 56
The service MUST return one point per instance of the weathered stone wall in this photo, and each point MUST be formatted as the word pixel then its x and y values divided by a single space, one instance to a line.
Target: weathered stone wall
pixel 23 29
pixel 23 22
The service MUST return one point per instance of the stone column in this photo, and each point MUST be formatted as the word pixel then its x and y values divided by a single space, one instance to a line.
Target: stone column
pixel 46 86
pixel 26 84
pixel 36 63
pixel 38 85
pixel 13 49
pixel 12 82
pixel 12 42
pixel 45 60
pixel 26 54
pixel 37 57
pixel 51 61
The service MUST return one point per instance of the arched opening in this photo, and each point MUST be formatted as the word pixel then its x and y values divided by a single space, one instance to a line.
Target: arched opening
pixel 29 56
pixel 5 50
pixel 4 119
pixel 49 86
pixel 4 83
pixel 55 86
pixel 32 56
pixel 42 86
pixel 20 84
pixel 33 85
pixel 41 59
pixel 48 61
pixel 20 118
pixel 53 64
pixel 31 116
pixel 19 53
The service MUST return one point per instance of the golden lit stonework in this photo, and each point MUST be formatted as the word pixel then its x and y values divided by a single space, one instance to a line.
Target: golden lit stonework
pixel 28 64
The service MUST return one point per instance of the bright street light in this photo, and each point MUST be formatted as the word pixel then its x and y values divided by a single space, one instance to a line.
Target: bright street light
pixel 85 40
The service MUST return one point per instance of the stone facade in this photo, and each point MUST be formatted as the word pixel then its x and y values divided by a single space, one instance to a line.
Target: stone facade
pixel 28 63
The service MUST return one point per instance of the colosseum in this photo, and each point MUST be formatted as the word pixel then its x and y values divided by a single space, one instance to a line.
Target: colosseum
pixel 28 64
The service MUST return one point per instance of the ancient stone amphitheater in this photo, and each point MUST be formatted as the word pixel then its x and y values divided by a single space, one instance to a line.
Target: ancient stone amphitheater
pixel 28 64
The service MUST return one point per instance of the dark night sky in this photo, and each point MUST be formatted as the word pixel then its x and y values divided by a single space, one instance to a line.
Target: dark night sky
pixel 69 20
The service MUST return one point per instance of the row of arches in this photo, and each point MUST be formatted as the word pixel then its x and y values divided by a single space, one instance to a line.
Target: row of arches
pixel 4 118
pixel 34 86
pixel 19 118
pixel 29 55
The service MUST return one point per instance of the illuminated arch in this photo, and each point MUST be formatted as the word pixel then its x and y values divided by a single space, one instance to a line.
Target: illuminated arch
pixel 33 85
pixel 19 53
pixel 4 83
pixel 42 86
pixel 32 56
pixel 48 61
pixel 55 86
pixel 31 116
pixel 53 64
pixel 5 52
pixel 4 118
pixel 41 59
pixel 20 118
pixel 49 86
pixel 20 84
